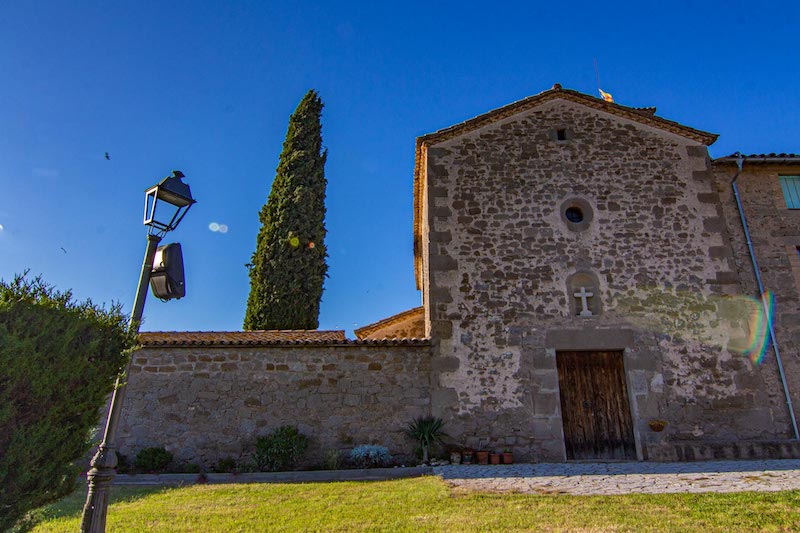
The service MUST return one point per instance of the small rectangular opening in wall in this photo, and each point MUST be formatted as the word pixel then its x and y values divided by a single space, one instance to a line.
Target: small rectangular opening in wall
pixel 561 134
pixel 791 191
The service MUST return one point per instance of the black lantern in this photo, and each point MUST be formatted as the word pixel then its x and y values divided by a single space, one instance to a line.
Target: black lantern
pixel 166 203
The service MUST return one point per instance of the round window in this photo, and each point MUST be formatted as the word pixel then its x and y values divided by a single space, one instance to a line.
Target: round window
pixel 574 214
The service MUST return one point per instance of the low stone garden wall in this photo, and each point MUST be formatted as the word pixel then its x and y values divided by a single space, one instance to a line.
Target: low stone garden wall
pixel 210 402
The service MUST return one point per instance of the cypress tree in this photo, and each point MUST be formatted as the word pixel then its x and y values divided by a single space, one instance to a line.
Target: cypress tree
pixel 288 268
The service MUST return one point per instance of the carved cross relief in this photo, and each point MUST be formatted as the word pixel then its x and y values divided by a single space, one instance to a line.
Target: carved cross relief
pixel 584 295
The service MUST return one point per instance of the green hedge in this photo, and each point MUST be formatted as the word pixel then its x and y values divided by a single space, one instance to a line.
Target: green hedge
pixel 58 362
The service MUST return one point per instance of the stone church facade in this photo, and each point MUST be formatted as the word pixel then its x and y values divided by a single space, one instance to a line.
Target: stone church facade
pixel 587 294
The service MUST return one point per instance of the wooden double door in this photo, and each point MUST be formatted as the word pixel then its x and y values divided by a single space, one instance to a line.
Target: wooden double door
pixel 594 406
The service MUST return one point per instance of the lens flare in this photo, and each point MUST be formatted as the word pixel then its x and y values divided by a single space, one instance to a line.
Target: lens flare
pixel 760 321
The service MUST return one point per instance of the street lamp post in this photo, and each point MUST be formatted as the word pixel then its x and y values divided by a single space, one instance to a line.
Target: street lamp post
pixel 165 205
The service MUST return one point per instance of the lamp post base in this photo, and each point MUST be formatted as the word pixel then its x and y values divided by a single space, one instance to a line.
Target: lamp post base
pixel 100 477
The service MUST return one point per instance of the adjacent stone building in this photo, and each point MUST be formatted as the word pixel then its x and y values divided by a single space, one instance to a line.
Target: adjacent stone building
pixel 587 294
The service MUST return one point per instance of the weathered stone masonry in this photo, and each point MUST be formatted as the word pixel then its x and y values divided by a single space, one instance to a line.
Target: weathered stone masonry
pixel 204 403
pixel 499 254
pixel 775 234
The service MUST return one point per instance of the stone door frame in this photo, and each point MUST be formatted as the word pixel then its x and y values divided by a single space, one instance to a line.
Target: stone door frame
pixel 596 339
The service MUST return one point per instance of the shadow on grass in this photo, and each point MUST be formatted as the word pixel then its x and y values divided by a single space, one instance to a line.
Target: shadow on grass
pixel 72 505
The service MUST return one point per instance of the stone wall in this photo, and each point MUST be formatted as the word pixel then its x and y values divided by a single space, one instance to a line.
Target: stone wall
pixel 204 403
pixel 775 234
pixel 501 261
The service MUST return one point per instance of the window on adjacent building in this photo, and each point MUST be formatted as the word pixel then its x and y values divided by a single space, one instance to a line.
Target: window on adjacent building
pixel 791 191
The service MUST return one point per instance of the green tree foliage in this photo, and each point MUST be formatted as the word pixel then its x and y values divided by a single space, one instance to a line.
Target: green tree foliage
pixel 58 363
pixel 288 267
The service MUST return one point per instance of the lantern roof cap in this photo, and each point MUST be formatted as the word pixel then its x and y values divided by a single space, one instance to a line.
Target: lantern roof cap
pixel 178 190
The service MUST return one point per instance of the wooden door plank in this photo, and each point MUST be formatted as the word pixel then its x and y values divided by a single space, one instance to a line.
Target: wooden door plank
pixel 594 406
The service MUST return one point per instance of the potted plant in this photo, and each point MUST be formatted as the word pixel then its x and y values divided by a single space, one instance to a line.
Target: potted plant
pixel 508 457
pixel 467 456
pixel 494 458
pixel 427 430
pixel 455 456
pixel 657 425
pixel 482 456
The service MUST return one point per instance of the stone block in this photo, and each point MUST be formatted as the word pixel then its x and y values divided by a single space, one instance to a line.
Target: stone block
pixel 589 339
pixel 440 295
pixel 546 405
pixel 543 381
pixel 697 151
pixel 703 176
pixel 713 225
pixel 726 278
pixel 445 364
pixel 719 252
pixel 443 237
pixel 442 263
pixel 437 152
pixel 443 400
pixel 708 198
pixel 440 211
pixel 441 329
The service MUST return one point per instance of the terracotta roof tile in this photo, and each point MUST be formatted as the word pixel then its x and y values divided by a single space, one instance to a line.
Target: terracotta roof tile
pixel 394 319
pixel 760 158
pixel 772 155
pixel 258 338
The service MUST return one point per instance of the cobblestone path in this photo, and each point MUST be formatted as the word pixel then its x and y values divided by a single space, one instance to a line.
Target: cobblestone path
pixel 625 478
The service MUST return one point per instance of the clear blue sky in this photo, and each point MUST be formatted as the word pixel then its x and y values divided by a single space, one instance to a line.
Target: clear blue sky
pixel 207 88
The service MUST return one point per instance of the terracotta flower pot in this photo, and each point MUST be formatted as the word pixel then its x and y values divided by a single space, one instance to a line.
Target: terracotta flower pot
pixel 494 458
pixel 483 458
pixel 657 425
pixel 508 458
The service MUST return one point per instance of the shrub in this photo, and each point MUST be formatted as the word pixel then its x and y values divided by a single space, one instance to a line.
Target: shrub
pixel 186 468
pixel 226 465
pixel 332 460
pixel 426 430
pixel 58 362
pixel 370 456
pixel 281 449
pixel 153 460
pixel 123 465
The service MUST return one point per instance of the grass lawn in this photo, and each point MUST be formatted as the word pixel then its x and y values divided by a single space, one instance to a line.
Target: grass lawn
pixel 421 504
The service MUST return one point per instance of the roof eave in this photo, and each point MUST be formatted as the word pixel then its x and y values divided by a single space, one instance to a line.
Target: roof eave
pixel 760 160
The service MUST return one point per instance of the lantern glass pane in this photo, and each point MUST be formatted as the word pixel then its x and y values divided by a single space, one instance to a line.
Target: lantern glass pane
pixel 160 214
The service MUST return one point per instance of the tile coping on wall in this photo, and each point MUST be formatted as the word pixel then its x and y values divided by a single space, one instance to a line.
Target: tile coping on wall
pixel 264 338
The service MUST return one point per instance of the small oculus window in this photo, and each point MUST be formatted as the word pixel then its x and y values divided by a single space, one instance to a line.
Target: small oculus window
pixel 576 213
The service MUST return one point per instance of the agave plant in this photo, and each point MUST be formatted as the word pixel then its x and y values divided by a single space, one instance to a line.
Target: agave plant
pixel 426 430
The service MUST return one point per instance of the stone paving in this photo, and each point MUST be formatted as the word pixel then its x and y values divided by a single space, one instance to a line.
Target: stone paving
pixel 625 478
